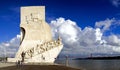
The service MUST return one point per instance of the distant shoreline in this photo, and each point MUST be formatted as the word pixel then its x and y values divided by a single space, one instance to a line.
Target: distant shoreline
pixel 99 58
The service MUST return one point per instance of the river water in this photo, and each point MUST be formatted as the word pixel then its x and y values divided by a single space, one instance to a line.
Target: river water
pixel 92 64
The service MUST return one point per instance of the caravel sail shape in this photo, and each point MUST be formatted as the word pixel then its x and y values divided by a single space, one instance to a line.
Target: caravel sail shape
pixel 36 37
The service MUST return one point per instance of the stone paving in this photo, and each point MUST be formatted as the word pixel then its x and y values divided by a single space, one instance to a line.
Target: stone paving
pixel 6 64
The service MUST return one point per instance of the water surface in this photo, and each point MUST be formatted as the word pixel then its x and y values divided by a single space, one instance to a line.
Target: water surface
pixel 92 64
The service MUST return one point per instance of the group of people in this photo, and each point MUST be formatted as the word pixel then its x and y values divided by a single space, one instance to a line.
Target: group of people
pixel 20 63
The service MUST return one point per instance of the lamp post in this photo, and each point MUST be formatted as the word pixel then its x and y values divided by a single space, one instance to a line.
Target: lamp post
pixel 66 60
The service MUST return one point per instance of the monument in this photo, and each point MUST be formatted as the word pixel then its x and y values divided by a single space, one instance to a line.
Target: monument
pixel 36 43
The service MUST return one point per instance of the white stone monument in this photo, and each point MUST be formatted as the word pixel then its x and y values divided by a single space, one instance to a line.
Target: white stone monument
pixel 36 38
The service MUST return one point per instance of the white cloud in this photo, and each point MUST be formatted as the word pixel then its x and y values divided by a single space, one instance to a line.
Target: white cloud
pixel 105 25
pixel 76 40
pixel 113 40
pixel 98 34
pixel 68 29
pixel 86 41
pixel 9 48
pixel 115 3
pixel 116 49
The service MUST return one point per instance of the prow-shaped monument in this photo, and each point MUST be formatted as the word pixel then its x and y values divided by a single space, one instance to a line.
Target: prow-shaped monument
pixel 36 37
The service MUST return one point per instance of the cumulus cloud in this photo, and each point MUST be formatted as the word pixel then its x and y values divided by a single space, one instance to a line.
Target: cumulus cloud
pixel 113 40
pixel 9 48
pixel 76 40
pixel 68 29
pixel 115 3
pixel 105 25
pixel 86 41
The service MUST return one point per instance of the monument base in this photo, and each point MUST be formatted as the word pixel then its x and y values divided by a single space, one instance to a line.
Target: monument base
pixel 48 56
pixel 13 59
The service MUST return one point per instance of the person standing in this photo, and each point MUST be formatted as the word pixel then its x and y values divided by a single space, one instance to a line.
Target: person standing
pixel 23 56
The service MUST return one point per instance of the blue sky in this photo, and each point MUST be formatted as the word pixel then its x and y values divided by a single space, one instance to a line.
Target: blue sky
pixel 86 14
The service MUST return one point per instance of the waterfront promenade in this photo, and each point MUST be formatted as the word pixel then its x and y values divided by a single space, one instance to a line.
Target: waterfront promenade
pixel 12 66
pixel 6 64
